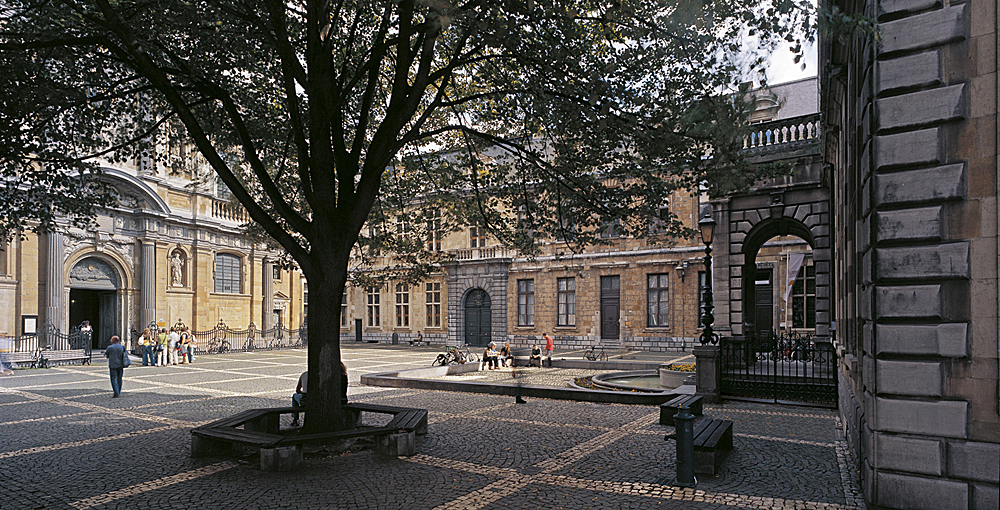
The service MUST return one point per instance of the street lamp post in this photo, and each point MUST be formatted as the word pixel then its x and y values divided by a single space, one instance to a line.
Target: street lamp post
pixel 707 227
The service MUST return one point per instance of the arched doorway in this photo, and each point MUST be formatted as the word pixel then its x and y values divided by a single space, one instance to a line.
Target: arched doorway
pixel 93 297
pixel 478 317
pixel 771 250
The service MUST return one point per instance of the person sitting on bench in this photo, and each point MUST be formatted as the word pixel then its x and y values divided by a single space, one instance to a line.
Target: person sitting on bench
pixel 299 398
pixel 536 355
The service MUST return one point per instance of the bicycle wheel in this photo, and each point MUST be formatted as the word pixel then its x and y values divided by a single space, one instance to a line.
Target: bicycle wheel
pixel 589 355
pixel 440 361
pixel 603 356
pixel 473 357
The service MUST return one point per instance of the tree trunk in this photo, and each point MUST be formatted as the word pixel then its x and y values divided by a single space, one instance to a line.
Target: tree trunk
pixel 323 407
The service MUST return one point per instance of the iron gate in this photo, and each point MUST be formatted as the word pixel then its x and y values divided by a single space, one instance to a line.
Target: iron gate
pixel 779 368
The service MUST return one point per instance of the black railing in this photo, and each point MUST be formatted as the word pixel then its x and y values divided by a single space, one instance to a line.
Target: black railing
pixel 787 367
pixel 222 339
pixel 48 338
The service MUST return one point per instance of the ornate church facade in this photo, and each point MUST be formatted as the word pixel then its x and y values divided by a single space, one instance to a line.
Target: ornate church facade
pixel 169 252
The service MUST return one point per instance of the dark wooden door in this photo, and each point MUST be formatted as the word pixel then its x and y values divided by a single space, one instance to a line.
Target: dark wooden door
pixel 610 307
pixel 478 316
pixel 763 303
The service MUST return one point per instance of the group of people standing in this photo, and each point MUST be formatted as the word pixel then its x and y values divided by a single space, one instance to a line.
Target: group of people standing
pixel 166 348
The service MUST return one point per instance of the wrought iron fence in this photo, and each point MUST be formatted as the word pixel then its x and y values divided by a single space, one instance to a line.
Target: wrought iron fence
pixel 222 339
pixel 787 367
pixel 48 338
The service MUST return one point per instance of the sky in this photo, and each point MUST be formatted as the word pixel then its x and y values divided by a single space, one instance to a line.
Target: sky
pixel 783 69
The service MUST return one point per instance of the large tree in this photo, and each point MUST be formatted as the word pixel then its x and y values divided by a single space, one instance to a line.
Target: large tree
pixel 567 114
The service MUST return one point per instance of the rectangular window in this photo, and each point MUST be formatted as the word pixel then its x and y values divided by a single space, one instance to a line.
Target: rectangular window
pixel 657 298
pixel 433 302
pixel 526 302
pixel 228 274
pixel 566 289
pixel 343 308
pixel 275 273
pixel 612 229
pixel 374 308
pixel 402 305
pixel 804 298
pixel 661 223
pixel 434 232
pixel 402 227
pixel 477 237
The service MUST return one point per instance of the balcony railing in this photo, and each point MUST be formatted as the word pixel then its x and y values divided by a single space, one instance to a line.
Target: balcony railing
pixel 225 210
pixel 492 252
pixel 780 135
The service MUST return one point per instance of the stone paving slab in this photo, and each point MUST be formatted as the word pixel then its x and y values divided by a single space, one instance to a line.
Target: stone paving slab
pixel 64 446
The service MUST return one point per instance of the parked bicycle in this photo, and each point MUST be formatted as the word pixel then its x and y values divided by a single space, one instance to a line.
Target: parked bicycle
pixel 455 356
pixel 593 355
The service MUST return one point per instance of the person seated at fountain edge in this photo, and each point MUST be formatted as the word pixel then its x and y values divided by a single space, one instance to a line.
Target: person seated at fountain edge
pixel 505 354
pixel 536 355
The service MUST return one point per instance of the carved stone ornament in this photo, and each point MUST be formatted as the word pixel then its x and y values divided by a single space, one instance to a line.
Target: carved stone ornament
pixel 92 272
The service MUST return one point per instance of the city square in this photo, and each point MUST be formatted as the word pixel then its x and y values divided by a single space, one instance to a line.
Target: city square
pixel 482 451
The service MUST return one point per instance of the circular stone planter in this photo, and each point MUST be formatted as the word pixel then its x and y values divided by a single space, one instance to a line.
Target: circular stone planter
pixel 672 378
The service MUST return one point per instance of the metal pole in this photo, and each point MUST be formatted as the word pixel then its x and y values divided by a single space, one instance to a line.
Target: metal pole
pixel 707 318
pixel 684 434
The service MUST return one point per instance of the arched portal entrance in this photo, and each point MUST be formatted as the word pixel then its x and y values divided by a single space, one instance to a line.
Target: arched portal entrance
pixel 779 279
pixel 478 317
pixel 93 297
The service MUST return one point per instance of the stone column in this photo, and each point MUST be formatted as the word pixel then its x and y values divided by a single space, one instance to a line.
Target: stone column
pixel 147 286
pixel 267 286
pixel 55 281
pixel 709 374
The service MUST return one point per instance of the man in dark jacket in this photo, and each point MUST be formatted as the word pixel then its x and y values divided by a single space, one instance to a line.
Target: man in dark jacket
pixel 116 364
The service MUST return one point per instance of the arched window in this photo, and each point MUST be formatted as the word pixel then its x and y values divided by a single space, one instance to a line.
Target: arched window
pixel 228 272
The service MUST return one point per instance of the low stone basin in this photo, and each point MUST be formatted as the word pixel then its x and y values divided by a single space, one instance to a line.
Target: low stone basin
pixel 672 378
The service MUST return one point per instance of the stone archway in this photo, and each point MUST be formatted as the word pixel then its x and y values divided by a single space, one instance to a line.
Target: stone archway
pixel 752 220
pixel 94 291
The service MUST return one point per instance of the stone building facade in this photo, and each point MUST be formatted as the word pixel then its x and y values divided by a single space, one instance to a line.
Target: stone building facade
pixel 640 294
pixel 168 252
pixel 912 146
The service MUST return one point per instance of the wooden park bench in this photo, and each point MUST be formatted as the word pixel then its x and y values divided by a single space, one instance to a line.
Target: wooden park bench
pixel 279 452
pixel 46 357
pixel 22 358
pixel 669 409
pixel 713 440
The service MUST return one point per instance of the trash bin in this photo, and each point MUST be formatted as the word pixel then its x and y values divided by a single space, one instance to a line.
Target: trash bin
pixel 395 339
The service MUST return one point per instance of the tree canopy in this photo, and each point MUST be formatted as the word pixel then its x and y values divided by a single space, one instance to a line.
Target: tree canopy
pixel 564 114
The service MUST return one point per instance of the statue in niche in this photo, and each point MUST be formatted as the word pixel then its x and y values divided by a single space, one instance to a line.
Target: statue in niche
pixel 177 270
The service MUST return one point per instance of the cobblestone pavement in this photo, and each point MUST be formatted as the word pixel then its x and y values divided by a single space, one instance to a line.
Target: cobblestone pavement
pixel 66 444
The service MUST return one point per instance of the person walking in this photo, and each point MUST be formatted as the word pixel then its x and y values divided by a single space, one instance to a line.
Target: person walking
pixel 6 347
pixel 549 346
pixel 117 361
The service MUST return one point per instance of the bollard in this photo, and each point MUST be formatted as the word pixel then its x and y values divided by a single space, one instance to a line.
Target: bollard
pixel 684 434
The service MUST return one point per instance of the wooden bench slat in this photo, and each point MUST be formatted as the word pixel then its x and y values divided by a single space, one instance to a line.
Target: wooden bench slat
pixel 325 436
pixel 259 439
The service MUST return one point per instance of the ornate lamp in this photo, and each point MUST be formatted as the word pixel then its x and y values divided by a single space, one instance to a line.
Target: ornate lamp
pixel 707 227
